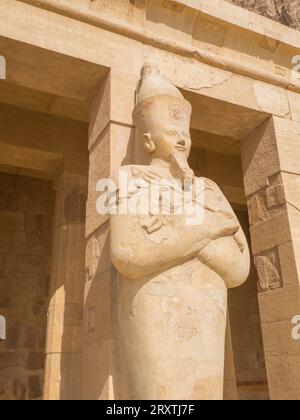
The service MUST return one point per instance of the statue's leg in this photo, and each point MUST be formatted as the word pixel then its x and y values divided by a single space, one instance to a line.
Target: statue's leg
pixel 172 334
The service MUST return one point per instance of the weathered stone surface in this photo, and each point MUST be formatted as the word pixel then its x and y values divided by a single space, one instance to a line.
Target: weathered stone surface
pixel 14 336
pixel 25 249
pixel 74 207
pixel 19 390
pixel 283 11
pixel 171 277
pixel 34 387
pixel 35 361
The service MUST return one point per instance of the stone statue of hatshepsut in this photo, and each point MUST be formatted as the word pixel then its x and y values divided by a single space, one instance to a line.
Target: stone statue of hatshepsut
pixel 173 275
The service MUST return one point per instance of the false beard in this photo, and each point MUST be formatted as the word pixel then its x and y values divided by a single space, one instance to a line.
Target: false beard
pixel 180 167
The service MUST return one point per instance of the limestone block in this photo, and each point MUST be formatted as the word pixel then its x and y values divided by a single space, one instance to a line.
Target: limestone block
pixel 64 328
pixel 34 387
pixel 112 149
pixel 25 203
pixel 270 233
pixel 280 304
pixel 8 201
pixel 122 144
pixel 294 101
pixel 296 247
pixel 134 13
pixel 170 19
pixel 282 11
pixel 37 223
pixel 288 264
pixel 71 275
pixel 278 339
pixel 99 169
pixel 12 220
pixel 122 104
pixel 100 110
pixel 294 218
pixel 35 360
pixel 2 262
pixel 92 258
pixel 30 263
pixel 277 310
pixel 98 253
pixel 98 304
pixel 97 379
pixel 283 375
pixel 272 99
pixel 260 157
pixel 7 182
pixel 209 33
pixel 53 376
pixel 64 332
pixel 5 240
pixel 292 188
pixel 287 136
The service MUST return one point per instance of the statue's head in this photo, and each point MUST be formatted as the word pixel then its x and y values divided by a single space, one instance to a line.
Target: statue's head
pixel 162 117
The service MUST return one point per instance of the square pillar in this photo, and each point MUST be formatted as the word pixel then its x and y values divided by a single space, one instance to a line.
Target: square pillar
pixel 271 156
pixel 111 140
pixel 65 314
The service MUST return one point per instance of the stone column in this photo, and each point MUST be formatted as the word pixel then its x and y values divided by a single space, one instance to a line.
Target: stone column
pixel 271 157
pixel 65 314
pixel 110 146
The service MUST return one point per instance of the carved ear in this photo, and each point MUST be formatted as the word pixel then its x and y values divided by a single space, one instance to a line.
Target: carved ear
pixel 148 143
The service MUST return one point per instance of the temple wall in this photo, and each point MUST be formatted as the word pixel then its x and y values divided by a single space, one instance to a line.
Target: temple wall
pixel 26 216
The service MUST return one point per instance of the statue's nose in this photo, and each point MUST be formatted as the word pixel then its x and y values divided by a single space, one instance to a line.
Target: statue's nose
pixel 181 142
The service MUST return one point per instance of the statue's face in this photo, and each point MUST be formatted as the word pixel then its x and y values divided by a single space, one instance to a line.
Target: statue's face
pixel 168 140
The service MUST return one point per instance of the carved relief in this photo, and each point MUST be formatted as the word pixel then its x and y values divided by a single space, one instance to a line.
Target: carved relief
pixel 258 211
pixel 268 273
pixel 264 203
pixel 275 196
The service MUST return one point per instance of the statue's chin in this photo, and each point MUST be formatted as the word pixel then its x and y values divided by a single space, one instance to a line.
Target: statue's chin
pixel 180 167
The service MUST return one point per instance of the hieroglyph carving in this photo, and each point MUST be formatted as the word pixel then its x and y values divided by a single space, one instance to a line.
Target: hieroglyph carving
pixel 268 274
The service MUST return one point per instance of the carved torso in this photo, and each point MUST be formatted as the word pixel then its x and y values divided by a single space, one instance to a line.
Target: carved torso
pixel 147 244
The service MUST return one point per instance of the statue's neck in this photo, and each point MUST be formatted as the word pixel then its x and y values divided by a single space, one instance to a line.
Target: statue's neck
pixel 160 163
pixel 178 167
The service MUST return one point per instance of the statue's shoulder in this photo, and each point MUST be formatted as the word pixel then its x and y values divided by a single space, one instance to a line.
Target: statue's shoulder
pixel 215 196
pixel 143 172
pixel 124 171
pixel 210 185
